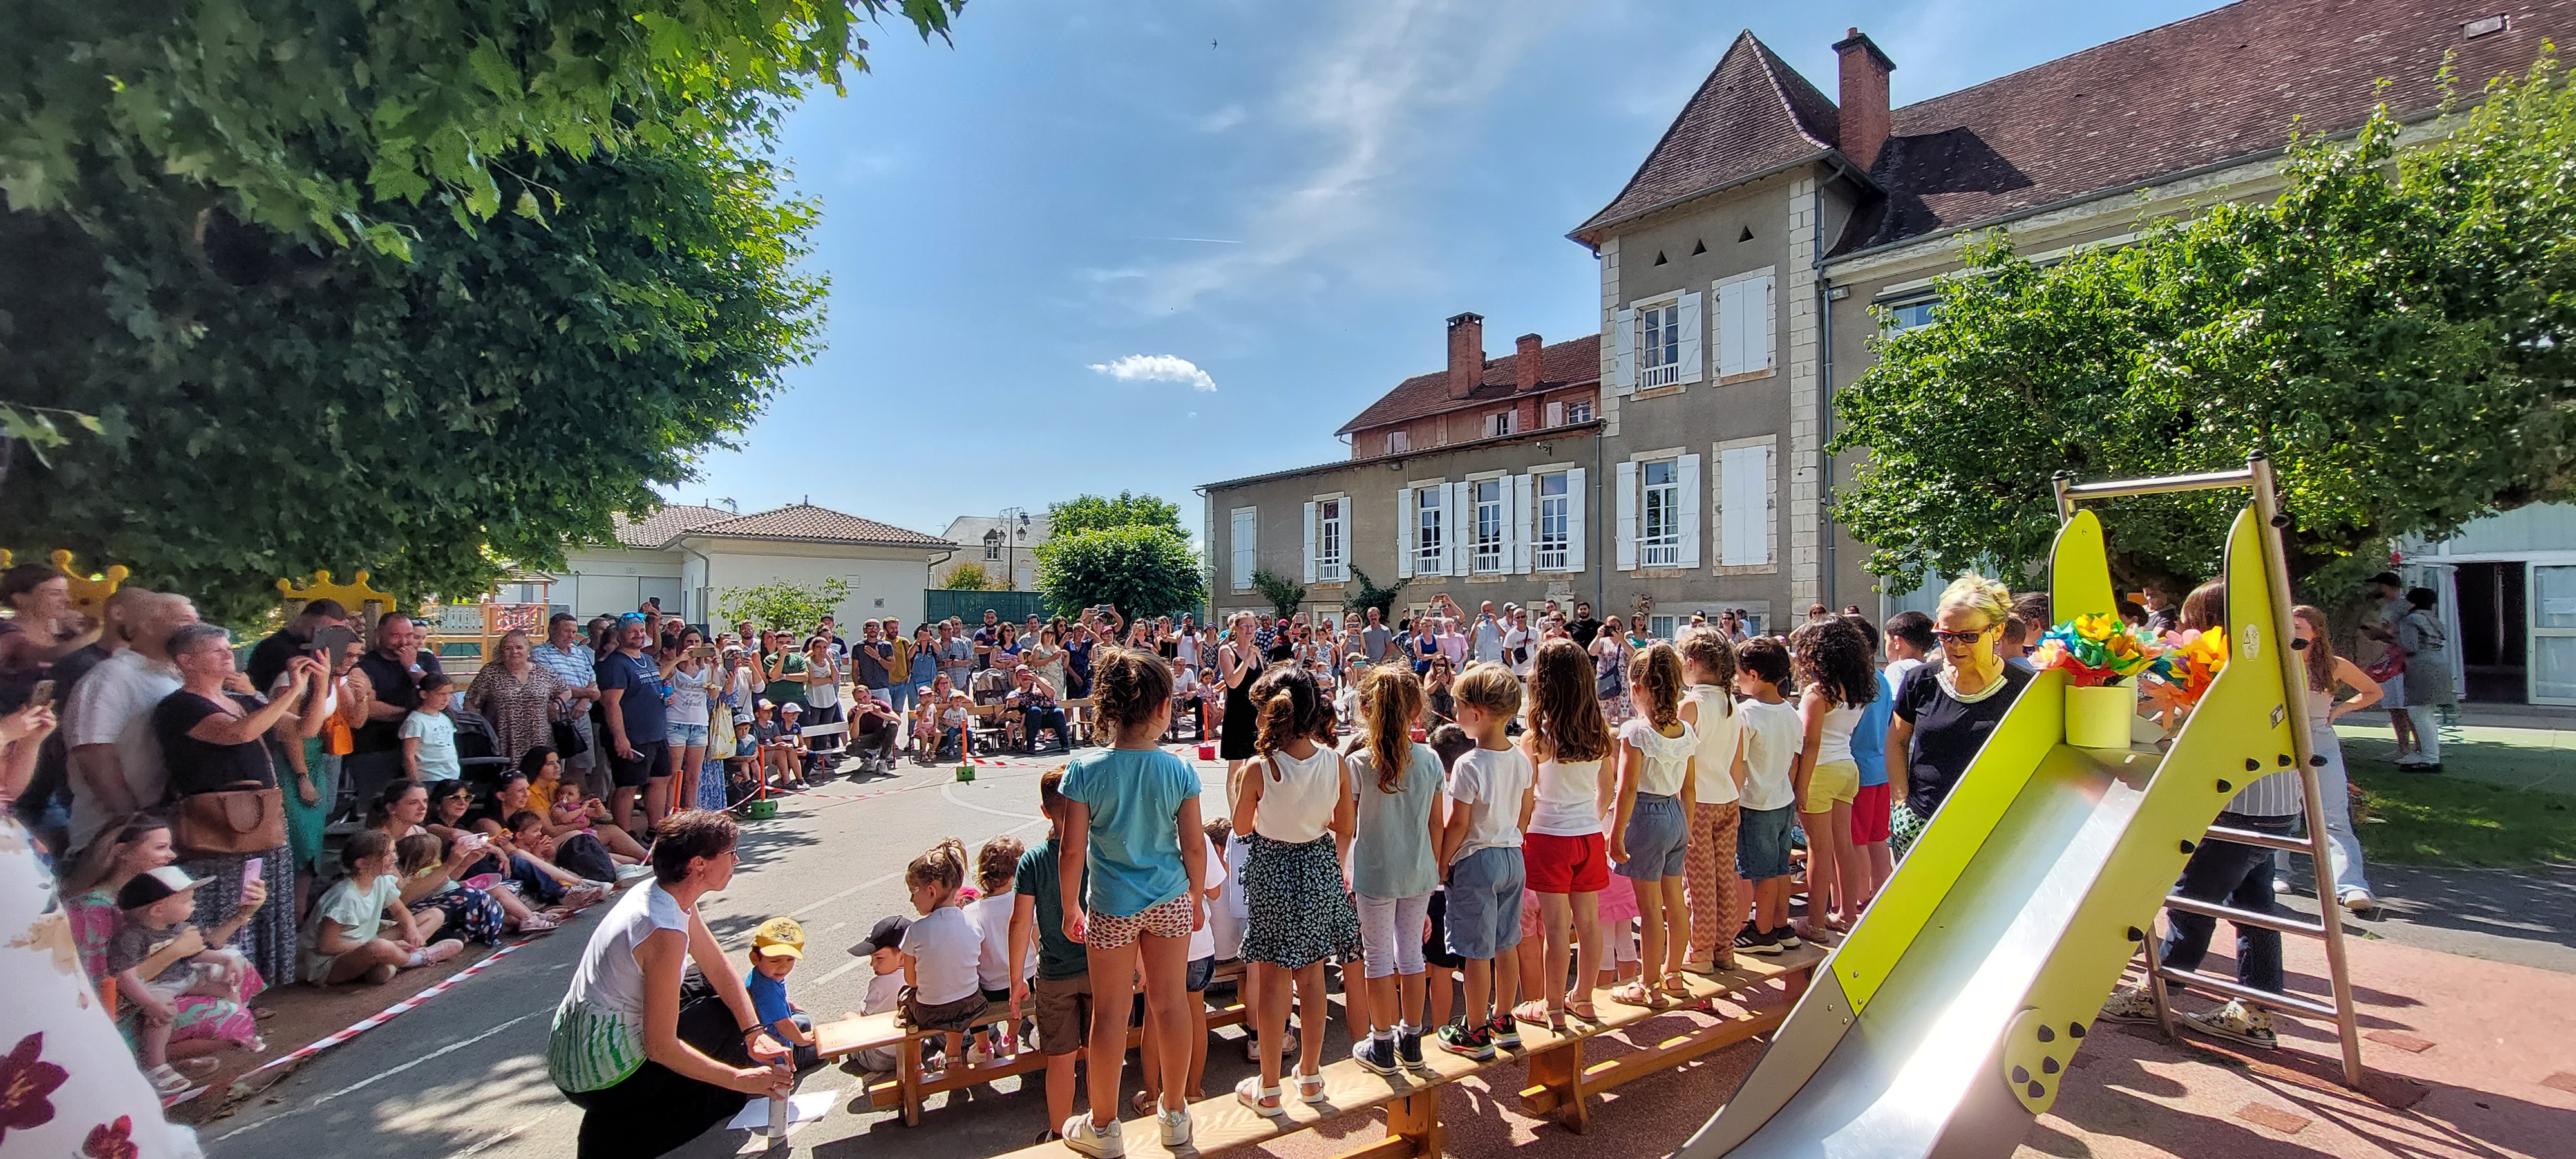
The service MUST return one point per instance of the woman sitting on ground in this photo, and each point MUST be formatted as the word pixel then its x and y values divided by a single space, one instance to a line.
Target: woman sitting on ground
pixel 587 815
pixel 454 814
pixel 433 883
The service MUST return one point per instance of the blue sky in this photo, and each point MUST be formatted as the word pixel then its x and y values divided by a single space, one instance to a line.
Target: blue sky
pixel 1151 245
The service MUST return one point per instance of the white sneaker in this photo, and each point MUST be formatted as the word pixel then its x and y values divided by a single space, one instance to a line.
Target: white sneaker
pixel 1176 1127
pixel 627 873
pixel 2130 1004
pixel 1098 1142
pixel 2359 901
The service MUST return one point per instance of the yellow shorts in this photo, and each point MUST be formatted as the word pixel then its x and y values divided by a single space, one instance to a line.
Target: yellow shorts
pixel 1832 782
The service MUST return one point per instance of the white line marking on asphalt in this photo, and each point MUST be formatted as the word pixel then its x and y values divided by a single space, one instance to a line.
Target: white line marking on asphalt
pixel 372 1080
pixel 505 1136
pixel 948 792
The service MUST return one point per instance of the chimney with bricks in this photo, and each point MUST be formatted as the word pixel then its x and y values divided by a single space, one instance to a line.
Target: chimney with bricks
pixel 1466 354
pixel 1864 116
pixel 1525 368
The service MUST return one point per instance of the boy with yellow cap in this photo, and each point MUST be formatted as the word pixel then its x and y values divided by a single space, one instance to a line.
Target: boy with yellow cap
pixel 776 947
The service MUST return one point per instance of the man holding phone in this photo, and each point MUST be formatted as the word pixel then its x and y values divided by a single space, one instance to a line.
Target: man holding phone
pixel 268 659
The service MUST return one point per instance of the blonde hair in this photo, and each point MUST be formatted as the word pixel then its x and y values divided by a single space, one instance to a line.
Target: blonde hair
pixel 1976 593
pixel 1489 687
pixel 1390 700
pixel 943 865
pixel 1657 673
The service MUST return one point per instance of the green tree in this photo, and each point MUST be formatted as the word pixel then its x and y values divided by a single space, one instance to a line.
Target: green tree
pixel 1093 513
pixel 784 603
pixel 1284 594
pixel 1369 595
pixel 1145 571
pixel 970 576
pixel 2393 331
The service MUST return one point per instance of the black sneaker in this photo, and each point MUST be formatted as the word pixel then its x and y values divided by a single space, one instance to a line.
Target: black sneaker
pixel 1752 942
pixel 1785 938
pixel 1477 1044
pixel 1505 1032
pixel 1408 1049
pixel 1375 1055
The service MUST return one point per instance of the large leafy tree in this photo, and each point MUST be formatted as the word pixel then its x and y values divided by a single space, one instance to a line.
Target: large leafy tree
pixel 414 288
pixel 2392 331
pixel 1145 571
pixel 1092 513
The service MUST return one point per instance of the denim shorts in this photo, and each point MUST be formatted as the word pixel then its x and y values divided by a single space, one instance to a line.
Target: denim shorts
pixel 1762 844
pixel 683 735
pixel 1657 839
pixel 1485 902
pixel 1202 971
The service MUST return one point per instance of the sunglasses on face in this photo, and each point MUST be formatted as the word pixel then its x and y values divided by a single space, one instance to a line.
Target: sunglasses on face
pixel 1960 638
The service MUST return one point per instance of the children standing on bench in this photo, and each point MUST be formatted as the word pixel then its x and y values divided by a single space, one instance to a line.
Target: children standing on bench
pixel 1832 661
pixel 1564 852
pixel 1131 829
pixel 1393 866
pixel 1294 804
pixel 1771 738
pixel 1708 860
pixel 990 913
pixel 1490 800
pixel 1648 836
pixel 1060 994
pixel 1202 970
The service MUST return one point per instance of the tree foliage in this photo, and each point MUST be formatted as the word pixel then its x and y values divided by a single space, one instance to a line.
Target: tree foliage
pixel 1093 513
pixel 784 603
pixel 971 576
pixel 2395 336
pixel 1368 595
pixel 1145 571
pixel 1282 593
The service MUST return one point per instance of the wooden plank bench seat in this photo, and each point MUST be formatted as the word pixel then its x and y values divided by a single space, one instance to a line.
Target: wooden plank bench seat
pixel 1412 1101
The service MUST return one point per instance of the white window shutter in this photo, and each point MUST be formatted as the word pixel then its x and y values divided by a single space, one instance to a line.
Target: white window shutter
pixel 1575 501
pixel 1691 329
pixel 1627 500
pixel 1456 527
pixel 1730 329
pixel 1246 546
pixel 1556 414
pixel 1744 506
pixel 1623 378
pixel 1408 532
pixel 1689 510
pixel 1760 309
pixel 1770 497
pixel 1309 525
pixel 1516 525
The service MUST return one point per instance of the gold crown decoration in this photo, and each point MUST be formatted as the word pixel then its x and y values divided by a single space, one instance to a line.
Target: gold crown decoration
pixel 352 595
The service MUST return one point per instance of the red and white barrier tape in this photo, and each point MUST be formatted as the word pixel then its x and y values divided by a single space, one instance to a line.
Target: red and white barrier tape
pixel 385 1015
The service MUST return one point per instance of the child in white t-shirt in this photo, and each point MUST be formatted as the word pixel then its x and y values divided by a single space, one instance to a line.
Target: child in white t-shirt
pixel 884 952
pixel 1491 794
pixel 1772 736
pixel 428 736
pixel 941 949
pixel 996 865
pixel 1708 706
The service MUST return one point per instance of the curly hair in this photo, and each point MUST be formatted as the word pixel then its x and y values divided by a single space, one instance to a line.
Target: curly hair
pixel 997 863
pixel 1127 686
pixel 943 865
pixel 1290 706
pixel 1489 687
pixel 1563 707
pixel 1390 701
pixel 1832 657
pixel 1656 674
pixel 1708 650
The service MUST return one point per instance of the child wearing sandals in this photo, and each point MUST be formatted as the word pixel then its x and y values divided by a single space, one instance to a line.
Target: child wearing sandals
pixel 1131 830
pixel 1832 662
pixel 1294 806
pixel 942 990
pixel 1708 858
pixel 1565 851
pixel 1397 784
pixel 1648 840
pixel 1490 800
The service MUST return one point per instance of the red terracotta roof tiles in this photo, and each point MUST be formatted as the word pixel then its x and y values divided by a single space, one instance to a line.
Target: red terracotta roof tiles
pixel 1569 363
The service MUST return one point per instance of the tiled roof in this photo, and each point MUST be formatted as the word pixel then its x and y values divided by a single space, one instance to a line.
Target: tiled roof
pixel 658 528
pixel 1752 115
pixel 815 524
pixel 2192 93
pixel 1568 363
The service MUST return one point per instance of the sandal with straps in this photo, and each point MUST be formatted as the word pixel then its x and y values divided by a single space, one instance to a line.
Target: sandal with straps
pixel 1310 1087
pixel 1537 1012
pixel 1580 1006
pixel 1677 986
pixel 1634 994
pixel 1251 1093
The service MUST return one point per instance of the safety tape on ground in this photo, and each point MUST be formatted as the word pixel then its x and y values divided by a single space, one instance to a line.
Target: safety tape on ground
pixel 385 1015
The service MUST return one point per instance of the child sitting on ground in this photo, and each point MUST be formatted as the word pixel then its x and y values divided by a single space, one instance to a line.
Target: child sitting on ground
pixel 1772 734
pixel 428 736
pixel 990 913
pixel 575 815
pixel 1059 995
pixel 157 955
pixel 940 949
pixel 883 949
pixel 775 949
pixel 341 942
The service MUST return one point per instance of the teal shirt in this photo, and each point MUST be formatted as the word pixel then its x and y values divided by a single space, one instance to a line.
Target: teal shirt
pixel 1059 957
pixel 1134 850
pixel 1392 855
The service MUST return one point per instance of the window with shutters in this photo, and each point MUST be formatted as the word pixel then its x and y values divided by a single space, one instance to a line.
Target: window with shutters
pixel 1659 345
pixel 1244 549
pixel 1430 543
pixel 1332 564
pixel 1663 627
pixel 1398 442
pixel 993 549
pixel 1498 423
pixel 1744 502
pixel 1555 522
pixel 1659 538
pixel 1579 411
pixel 1744 325
pixel 1490 557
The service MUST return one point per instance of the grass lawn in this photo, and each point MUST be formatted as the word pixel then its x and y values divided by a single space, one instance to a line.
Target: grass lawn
pixel 2416 819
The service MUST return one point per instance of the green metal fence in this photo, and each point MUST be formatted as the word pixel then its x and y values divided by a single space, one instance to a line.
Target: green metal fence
pixel 940 603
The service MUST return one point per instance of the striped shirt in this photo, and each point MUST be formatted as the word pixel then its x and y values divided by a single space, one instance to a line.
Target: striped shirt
pixel 2274 794
pixel 575 665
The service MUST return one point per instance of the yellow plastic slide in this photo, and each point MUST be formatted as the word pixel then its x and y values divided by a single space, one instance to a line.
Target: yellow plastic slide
pixel 1944 1024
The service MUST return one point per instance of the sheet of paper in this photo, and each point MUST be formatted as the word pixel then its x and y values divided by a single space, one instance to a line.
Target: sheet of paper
pixel 802 1107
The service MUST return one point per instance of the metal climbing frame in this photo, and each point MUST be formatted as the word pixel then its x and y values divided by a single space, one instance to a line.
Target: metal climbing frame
pixel 2256 475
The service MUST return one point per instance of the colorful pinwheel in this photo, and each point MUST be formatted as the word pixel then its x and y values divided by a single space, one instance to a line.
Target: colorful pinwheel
pixel 2096 650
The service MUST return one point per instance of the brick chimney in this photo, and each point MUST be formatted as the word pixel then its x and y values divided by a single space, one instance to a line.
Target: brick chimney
pixel 1525 364
pixel 1466 354
pixel 1864 98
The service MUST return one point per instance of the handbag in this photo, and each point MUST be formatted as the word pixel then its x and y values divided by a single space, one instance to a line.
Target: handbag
pixel 568 742
pixel 2386 668
pixel 247 818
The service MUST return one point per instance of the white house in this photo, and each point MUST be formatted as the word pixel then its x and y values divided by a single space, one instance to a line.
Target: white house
pixel 1008 548
pixel 687 556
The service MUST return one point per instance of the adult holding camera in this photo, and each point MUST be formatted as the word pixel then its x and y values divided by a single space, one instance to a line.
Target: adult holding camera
pixel 689 687
pixel 231 820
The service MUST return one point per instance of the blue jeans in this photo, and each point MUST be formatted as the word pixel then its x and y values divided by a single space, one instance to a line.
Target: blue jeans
pixel 2235 875
pixel 904 694
pixel 1038 720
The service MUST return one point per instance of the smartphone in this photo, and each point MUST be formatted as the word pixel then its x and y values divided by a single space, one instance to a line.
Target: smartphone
pixel 42 693
pixel 703 652
pixel 252 869
pixel 330 638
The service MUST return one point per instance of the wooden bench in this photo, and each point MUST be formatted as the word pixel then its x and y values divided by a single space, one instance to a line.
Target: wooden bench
pixel 1560 1081
pixel 908 1085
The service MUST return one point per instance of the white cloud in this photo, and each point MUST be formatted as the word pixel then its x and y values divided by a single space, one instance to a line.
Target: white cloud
pixel 1158 368
pixel 1222 119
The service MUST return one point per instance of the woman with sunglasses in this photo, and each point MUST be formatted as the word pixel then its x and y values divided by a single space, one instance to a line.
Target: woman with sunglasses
pixel 1944 713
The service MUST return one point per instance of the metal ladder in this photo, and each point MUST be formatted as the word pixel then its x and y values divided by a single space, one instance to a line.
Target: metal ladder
pixel 2256 475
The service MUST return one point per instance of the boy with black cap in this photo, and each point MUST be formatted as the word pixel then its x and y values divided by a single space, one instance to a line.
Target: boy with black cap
pixel 883 948
pixel 775 949
pixel 157 955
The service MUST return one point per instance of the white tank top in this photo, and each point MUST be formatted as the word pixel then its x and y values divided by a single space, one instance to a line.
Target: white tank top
pixel 1569 799
pixel 1667 758
pixel 2320 701
pixel 1297 797
pixel 1720 731
pixel 1835 742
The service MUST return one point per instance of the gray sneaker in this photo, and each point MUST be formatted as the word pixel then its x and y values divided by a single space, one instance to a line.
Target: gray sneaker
pixel 2237 1022
pixel 2130 1004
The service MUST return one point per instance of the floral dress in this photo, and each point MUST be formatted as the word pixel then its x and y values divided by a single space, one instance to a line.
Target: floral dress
pixel 94 918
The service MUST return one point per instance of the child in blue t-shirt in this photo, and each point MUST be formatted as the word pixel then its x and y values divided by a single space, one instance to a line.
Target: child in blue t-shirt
pixel 1132 823
pixel 775 949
